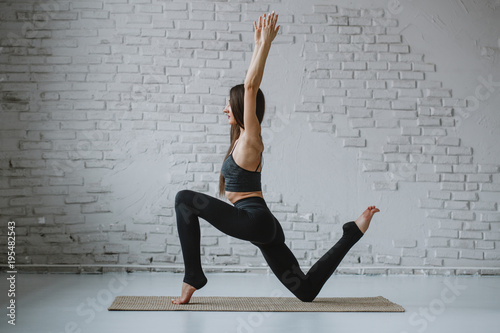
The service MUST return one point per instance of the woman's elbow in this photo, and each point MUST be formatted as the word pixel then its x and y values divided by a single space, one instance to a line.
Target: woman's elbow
pixel 251 88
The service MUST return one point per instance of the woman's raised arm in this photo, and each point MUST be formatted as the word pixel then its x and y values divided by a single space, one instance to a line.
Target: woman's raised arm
pixel 265 32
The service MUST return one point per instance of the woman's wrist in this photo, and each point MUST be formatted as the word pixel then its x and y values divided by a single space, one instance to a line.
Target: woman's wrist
pixel 262 43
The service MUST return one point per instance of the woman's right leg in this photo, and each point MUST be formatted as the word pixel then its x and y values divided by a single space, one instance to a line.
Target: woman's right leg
pixel 239 223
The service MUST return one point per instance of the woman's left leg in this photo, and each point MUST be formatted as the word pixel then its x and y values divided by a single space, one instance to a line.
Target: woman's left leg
pixel 287 269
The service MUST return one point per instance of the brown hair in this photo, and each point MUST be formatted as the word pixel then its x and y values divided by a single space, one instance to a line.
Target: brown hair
pixel 236 100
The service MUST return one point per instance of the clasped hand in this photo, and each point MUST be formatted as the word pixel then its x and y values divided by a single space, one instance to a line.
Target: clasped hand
pixel 266 29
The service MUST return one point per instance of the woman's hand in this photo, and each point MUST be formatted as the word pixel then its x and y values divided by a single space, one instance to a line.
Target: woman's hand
pixel 266 29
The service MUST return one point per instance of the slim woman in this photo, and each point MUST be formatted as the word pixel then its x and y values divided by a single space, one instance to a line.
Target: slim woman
pixel 250 219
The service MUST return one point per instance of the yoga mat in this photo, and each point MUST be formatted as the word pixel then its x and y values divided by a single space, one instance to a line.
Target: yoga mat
pixel 253 304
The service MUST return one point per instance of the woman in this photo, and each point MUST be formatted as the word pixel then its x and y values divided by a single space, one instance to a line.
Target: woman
pixel 250 219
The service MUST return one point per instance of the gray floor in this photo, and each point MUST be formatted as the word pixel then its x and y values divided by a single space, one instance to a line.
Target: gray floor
pixel 72 303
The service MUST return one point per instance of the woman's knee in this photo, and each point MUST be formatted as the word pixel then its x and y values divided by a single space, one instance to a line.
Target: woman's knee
pixel 302 289
pixel 184 197
pixel 191 199
pixel 305 297
pixel 301 286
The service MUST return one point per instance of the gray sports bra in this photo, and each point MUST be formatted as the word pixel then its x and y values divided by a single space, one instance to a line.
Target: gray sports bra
pixel 238 179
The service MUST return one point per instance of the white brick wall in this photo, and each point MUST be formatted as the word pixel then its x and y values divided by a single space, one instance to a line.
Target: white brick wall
pixel 108 108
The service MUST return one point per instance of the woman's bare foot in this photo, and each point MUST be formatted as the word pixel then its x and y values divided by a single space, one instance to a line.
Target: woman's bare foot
pixel 187 292
pixel 363 222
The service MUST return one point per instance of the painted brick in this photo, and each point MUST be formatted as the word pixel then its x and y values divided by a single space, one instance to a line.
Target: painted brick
pixel 423 67
pixel 294 234
pixel 362 123
pixel 490 187
pixel 439 195
pixel 459 151
pixel 484 245
pixel 476 226
pixel 134 236
pixel 385 186
pixel 64 259
pixel 491 256
pixel 395 158
pixel 492 236
pixel 429 177
pixel 471 254
pixel 445 159
pixel 443 233
pixel 453 178
pixel 153 248
pixel 446 253
pixel 443 168
pixel 163 258
pixel 467 216
pixel 116 248
pixel 419 253
pixel 139 259
pixel 226 261
pixel 208 241
pixel 433 262
pixel 388 259
pixel 92 238
pixel 363 155
pixel 283 208
pixel 437 242
pixel 377 167
pixel 470 235
pixel 487 168
pixel 484 206
pixel 325 9
pixel 449 141
pixel 95 208
pixel 106 258
pixel 466 244
pixel 464 168
pixel 479 178
pixel 464 196
pixel 295 217
pixel 452 186
pixel 307 227
pixel 460 205
pixel 354 142
pixel 490 217
pixel 303 245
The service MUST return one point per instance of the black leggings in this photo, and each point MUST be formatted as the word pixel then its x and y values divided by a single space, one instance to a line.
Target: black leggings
pixel 250 219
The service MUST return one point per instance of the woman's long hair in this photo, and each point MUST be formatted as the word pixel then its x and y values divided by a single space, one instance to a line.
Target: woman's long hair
pixel 236 100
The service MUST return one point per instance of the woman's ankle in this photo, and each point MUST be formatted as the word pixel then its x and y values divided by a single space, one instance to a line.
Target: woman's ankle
pixel 197 284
